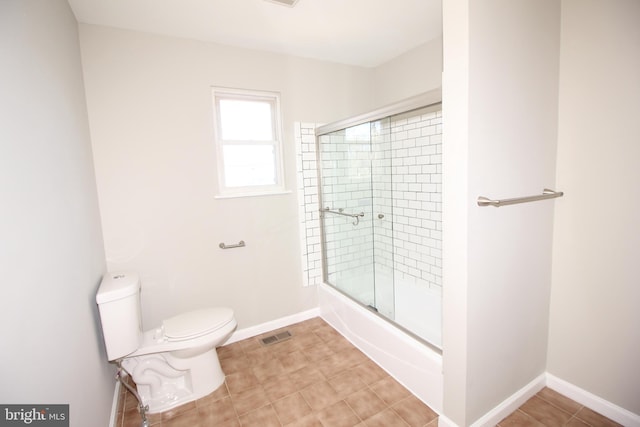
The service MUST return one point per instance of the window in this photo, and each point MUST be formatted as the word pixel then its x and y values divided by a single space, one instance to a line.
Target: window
pixel 248 139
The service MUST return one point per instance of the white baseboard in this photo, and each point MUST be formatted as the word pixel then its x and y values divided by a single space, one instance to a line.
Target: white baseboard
pixel 512 403
pixel 591 401
pixel 445 422
pixel 583 397
pixel 252 331
pixel 114 406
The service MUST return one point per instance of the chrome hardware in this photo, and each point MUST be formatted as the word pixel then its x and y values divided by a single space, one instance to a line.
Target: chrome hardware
pixel 142 408
pixel 341 212
pixel 240 244
pixel 546 194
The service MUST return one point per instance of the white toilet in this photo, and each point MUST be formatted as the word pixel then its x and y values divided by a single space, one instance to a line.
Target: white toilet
pixel 173 364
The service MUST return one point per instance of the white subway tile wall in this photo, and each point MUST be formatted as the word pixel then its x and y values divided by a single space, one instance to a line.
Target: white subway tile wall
pixel 308 206
pixel 390 168
pixel 416 170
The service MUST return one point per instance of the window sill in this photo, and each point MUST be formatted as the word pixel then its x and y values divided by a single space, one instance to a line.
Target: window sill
pixel 252 194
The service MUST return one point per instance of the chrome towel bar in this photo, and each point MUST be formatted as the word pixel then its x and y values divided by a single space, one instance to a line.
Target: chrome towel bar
pixel 340 212
pixel 240 244
pixel 546 194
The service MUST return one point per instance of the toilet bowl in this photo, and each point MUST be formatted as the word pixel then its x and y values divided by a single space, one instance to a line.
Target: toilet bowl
pixel 173 364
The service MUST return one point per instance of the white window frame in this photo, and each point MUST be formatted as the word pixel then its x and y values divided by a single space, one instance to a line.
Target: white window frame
pixel 272 98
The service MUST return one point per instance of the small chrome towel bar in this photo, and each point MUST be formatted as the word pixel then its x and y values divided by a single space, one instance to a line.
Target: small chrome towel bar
pixel 240 244
pixel 546 194
pixel 340 212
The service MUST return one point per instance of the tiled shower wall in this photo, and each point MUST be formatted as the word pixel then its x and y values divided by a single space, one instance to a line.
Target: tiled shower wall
pixel 308 206
pixel 394 169
pixel 416 175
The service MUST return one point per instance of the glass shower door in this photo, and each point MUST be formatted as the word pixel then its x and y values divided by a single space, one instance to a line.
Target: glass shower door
pixel 382 218
pixel 381 193
pixel 346 194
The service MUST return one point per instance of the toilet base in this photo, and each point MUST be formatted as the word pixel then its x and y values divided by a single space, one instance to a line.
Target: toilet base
pixel 165 380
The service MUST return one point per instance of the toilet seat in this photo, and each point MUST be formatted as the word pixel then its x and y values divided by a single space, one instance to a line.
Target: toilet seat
pixel 196 323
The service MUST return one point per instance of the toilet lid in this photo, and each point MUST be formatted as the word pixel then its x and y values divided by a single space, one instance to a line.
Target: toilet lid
pixel 196 323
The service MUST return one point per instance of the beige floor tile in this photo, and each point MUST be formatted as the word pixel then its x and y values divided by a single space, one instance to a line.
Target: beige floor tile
pixel 233 364
pixel 262 417
pixel 308 339
pixel 269 369
pixel 241 381
pixel 595 419
pixel 249 400
pixel 132 419
pixel 220 410
pixel 235 422
pixel 306 376
pixel 346 383
pixel 338 415
pixel 414 412
pixel 365 403
pixel 520 419
pixel 291 408
pixel 326 333
pixel 293 361
pixel 386 418
pixel 576 422
pixel 353 357
pixel 259 355
pixel 279 387
pixel 390 390
pixel 317 352
pixel 316 322
pixel 304 381
pixel 369 372
pixel 230 350
pixel 310 420
pixel 338 344
pixel 545 412
pixel 332 365
pixel 220 393
pixel 558 400
pixel 190 418
pixel 320 395
pixel 178 410
pixel 250 344
pixel 254 396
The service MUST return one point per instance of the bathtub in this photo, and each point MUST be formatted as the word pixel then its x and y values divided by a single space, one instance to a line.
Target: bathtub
pixel 399 297
pixel 415 365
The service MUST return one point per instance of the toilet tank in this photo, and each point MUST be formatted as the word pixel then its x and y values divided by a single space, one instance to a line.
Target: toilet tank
pixel 118 301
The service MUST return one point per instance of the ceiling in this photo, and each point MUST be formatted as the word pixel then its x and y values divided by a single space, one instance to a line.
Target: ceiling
pixel 356 32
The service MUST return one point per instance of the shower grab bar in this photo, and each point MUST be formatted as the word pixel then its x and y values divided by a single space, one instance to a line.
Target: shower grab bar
pixel 240 244
pixel 341 212
pixel 546 194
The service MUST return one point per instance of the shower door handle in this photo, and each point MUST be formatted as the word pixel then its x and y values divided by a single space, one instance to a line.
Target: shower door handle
pixel 380 216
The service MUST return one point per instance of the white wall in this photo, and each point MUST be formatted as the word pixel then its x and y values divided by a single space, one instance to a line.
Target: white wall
pixel 51 247
pixel 455 212
pixel 149 104
pixel 508 113
pixel 414 72
pixel 594 339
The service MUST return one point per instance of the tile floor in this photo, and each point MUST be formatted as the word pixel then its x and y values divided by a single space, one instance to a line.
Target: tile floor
pixel 550 408
pixel 317 378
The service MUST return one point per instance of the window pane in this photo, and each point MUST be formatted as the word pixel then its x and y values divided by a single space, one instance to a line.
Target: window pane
pixel 246 120
pixel 249 165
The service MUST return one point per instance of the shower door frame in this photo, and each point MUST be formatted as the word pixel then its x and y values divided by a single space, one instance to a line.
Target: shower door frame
pixel 425 99
pixel 432 98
